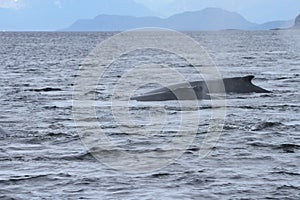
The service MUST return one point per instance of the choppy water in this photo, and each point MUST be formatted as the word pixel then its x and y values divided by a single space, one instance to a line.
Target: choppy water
pixel 42 156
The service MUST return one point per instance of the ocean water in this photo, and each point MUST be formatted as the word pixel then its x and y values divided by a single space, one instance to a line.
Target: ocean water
pixel 42 155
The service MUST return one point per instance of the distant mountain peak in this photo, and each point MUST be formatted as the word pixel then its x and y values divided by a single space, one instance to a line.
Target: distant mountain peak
pixel 206 19
pixel 297 21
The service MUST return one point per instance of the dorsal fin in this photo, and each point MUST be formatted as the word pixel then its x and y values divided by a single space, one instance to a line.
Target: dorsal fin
pixel 248 78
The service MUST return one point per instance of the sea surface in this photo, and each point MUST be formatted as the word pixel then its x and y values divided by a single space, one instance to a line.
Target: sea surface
pixel 42 156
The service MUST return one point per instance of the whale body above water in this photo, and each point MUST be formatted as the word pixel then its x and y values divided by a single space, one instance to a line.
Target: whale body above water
pixel 199 89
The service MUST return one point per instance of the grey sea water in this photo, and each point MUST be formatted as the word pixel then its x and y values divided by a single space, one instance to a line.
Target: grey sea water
pixel 42 156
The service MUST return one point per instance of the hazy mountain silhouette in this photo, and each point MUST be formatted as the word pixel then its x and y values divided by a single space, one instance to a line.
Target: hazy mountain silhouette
pixel 274 25
pixel 297 22
pixel 207 19
pixel 118 15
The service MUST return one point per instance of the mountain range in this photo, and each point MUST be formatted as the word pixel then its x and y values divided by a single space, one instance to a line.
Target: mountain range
pixel 118 15
pixel 206 19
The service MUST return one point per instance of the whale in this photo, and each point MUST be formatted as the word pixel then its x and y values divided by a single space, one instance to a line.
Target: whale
pixel 199 89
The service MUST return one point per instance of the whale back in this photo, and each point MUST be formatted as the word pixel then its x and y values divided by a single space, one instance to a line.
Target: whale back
pixel 173 93
pixel 187 91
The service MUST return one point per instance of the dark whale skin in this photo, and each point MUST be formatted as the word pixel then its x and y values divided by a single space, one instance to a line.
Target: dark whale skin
pixel 199 90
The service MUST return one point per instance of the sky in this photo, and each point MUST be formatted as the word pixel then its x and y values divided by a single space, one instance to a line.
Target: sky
pixel 56 14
